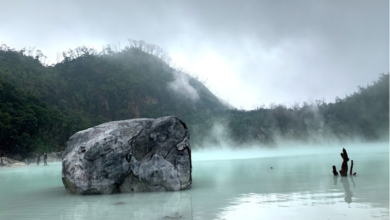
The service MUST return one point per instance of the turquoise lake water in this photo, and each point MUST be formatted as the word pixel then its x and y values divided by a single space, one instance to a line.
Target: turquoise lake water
pixel 227 184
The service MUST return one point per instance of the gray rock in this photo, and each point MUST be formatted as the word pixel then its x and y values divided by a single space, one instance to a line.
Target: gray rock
pixel 137 155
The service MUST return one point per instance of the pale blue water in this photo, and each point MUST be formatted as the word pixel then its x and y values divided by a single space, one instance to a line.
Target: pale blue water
pixel 301 186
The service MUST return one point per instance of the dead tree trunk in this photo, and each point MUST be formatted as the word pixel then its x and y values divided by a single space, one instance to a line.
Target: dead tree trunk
pixel 350 171
pixel 344 165
pixel 335 171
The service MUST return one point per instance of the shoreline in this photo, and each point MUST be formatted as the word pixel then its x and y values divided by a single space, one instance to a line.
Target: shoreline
pixel 11 163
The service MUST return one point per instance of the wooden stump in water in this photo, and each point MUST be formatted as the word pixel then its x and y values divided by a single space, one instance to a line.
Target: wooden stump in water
pixel 334 171
pixel 350 171
pixel 344 165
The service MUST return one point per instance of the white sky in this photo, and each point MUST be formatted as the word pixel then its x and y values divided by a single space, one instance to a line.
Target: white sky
pixel 249 53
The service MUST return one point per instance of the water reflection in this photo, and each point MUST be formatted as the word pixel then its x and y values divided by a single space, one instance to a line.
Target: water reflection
pixel 329 202
pixel 166 205
pixel 345 183
pixel 57 204
pixel 224 189
pixel 347 189
pixel 354 186
pixel 300 206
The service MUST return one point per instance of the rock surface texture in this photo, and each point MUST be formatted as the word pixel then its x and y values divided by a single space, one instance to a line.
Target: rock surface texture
pixel 137 155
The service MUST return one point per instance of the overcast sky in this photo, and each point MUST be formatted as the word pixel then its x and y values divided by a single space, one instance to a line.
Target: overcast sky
pixel 249 53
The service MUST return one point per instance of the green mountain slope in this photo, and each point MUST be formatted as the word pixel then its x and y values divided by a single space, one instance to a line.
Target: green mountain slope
pixel 94 88
pixel 42 106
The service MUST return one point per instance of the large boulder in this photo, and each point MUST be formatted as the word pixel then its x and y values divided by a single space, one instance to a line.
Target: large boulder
pixel 137 155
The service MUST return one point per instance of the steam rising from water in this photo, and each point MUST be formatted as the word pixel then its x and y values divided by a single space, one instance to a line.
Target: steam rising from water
pixel 228 153
pixel 218 144
pixel 182 87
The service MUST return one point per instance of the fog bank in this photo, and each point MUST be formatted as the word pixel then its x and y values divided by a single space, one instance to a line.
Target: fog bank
pixel 226 152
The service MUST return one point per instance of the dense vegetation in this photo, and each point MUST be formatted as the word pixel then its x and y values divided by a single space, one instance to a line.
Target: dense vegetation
pixel 41 105
pixel 88 88
pixel 25 121
pixel 361 116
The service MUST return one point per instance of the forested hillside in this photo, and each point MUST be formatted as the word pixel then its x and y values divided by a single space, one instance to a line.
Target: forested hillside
pixel 41 106
pixel 361 116
pixel 88 88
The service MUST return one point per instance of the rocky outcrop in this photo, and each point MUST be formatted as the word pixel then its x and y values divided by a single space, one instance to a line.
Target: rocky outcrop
pixel 137 155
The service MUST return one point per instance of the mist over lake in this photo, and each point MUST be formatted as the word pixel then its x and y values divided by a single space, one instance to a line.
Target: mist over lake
pixel 227 184
pixel 266 93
